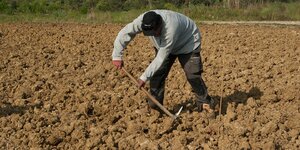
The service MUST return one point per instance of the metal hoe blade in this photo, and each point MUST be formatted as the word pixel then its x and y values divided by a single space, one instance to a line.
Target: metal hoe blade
pixel 177 114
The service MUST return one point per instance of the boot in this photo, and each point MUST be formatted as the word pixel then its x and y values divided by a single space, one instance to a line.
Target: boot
pixel 208 106
pixel 153 106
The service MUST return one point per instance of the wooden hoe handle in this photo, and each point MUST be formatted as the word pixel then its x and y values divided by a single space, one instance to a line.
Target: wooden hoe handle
pixel 150 96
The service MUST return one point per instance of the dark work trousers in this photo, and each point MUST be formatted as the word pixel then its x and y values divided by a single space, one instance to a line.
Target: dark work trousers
pixel 192 65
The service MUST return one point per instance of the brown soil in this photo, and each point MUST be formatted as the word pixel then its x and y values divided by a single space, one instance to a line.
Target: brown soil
pixel 59 90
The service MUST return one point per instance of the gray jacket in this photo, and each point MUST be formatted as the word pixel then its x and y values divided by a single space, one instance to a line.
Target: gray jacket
pixel 179 35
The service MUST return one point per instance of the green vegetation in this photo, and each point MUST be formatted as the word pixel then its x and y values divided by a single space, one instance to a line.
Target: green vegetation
pixel 123 11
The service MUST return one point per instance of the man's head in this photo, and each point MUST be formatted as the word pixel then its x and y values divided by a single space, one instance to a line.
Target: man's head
pixel 151 24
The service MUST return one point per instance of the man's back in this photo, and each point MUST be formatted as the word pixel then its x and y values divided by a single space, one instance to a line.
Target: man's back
pixel 179 28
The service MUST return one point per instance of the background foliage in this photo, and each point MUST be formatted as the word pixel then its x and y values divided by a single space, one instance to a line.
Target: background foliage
pixel 116 9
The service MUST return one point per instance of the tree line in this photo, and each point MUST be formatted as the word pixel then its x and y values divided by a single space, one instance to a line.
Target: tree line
pixel 47 6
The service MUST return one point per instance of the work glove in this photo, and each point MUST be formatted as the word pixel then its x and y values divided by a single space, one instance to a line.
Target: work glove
pixel 141 83
pixel 118 63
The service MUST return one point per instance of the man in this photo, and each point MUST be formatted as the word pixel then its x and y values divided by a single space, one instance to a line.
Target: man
pixel 173 36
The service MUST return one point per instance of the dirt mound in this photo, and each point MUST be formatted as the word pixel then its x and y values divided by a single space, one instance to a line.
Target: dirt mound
pixel 60 90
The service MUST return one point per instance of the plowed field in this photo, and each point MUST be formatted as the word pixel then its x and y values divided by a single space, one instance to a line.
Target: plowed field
pixel 59 90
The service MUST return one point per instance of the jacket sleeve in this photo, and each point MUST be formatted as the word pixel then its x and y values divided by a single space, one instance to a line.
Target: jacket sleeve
pixel 125 36
pixel 164 51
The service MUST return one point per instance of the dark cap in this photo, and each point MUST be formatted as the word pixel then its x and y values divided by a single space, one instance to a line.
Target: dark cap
pixel 151 21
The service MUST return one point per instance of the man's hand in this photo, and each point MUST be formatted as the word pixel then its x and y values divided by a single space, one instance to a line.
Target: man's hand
pixel 141 83
pixel 118 63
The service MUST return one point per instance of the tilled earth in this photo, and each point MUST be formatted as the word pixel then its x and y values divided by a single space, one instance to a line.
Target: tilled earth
pixel 59 90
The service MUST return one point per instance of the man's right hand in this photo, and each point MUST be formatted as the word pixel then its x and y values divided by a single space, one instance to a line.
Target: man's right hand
pixel 118 63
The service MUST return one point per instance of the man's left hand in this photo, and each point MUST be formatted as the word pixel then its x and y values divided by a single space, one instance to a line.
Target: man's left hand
pixel 141 83
pixel 118 63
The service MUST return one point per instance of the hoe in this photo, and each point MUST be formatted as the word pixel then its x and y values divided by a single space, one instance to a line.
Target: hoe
pixel 174 117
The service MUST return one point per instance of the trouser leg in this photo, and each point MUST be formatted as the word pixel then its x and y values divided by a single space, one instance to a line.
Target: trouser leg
pixel 157 81
pixel 193 68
